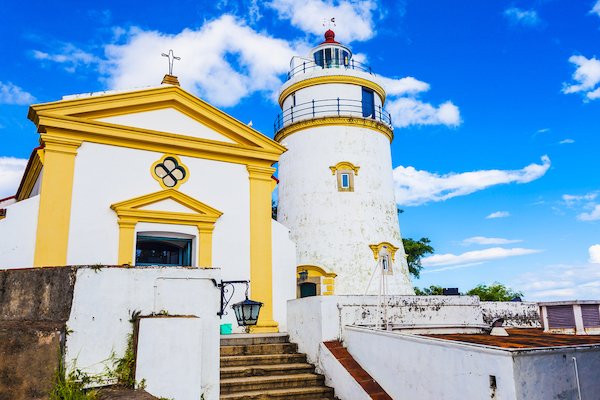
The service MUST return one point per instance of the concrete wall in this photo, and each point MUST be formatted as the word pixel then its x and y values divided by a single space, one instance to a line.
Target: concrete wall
pixel 312 320
pixel 415 367
pixel 104 299
pixel 515 313
pixel 17 233
pixel 334 229
pixel 34 306
pixel 337 377
pixel 550 374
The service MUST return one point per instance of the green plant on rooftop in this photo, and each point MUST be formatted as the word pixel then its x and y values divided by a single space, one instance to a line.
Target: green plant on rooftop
pixel 432 290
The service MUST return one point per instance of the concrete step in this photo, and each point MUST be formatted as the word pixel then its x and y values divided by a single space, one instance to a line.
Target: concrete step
pixel 256 349
pixel 256 383
pixel 245 339
pixel 310 393
pixel 268 359
pixel 265 370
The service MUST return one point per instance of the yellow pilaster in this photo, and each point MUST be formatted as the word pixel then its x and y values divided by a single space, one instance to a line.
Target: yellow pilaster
pixel 126 241
pixel 205 248
pixel 261 264
pixel 54 216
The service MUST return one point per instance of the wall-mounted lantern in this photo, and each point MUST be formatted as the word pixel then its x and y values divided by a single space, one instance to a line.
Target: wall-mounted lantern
pixel 303 275
pixel 246 311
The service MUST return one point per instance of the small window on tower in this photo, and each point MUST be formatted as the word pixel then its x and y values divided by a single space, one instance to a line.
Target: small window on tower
pixel 345 178
pixel 344 172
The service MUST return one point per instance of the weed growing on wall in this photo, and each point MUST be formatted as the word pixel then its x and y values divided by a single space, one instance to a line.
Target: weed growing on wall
pixel 71 386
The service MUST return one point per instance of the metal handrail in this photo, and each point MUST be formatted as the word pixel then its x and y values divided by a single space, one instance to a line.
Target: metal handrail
pixel 309 65
pixel 329 107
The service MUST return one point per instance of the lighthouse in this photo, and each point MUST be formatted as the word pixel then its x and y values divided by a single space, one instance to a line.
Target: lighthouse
pixel 336 191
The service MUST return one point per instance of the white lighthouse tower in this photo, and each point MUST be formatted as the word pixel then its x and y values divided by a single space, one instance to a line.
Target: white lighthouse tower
pixel 336 191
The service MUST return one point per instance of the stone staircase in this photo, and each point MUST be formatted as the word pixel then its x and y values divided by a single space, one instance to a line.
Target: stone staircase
pixel 268 366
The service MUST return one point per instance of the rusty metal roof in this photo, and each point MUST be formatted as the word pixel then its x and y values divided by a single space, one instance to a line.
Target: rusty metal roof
pixel 523 338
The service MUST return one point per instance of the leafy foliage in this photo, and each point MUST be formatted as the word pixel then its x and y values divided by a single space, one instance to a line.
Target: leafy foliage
pixel 124 371
pixel 494 292
pixel 432 290
pixel 415 250
pixel 71 386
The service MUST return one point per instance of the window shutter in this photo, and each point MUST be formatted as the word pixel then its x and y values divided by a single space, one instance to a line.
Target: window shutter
pixel 591 315
pixel 561 317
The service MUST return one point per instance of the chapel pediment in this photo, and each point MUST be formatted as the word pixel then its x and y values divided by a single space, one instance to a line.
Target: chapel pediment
pixel 166 114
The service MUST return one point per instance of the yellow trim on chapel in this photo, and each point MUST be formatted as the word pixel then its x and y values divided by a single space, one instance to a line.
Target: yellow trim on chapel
pixel 130 213
pixel 54 213
pixel 376 248
pixel 323 80
pixel 31 175
pixel 261 258
pixel 335 121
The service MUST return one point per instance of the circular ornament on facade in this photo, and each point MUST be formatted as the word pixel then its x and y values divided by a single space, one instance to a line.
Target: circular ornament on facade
pixel 170 172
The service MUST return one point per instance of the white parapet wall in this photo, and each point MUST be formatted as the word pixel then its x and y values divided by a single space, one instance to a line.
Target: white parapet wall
pixel 515 313
pixel 104 299
pixel 338 377
pixel 169 357
pixel 312 320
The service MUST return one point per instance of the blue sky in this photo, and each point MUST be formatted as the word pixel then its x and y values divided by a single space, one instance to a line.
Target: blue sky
pixel 496 107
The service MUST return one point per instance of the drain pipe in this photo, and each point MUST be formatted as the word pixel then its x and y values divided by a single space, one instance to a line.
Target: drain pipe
pixel 577 379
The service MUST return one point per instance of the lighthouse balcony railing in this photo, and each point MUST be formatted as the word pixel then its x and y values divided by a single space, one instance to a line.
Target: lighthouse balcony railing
pixel 331 108
pixel 299 65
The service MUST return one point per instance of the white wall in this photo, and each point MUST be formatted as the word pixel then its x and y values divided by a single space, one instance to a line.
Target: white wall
pixel 416 367
pixel 169 357
pixel 103 300
pixel 18 233
pixel 284 273
pixel 334 229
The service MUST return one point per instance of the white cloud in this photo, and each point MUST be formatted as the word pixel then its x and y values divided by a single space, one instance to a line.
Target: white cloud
pixel 403 86
pixel 561 282
pixel 407 111
pixel 596 8
pixel 571 199
pixel 414 187
pixel 70 56
pixel 594 251
pixel 223 61
pixel 593 215
pixel 493 253
pixel 498 214
pixel 12 94
pixel 543 130
pixel 353 18
pixel 566 141
pixel 11 171
pixel 488 240
pixel 519 16
pixel 586 76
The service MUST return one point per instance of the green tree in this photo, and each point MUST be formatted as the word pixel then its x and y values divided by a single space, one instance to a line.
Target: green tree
pixel 415 250
pixel 494 292
pixel 432 290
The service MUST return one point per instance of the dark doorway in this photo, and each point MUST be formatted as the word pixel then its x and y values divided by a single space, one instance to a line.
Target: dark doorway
pixel 308 289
